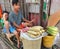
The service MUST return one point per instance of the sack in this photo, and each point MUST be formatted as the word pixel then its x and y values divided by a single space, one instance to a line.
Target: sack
pixel 57 40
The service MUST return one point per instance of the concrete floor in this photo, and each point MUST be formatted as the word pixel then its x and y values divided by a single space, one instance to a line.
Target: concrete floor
pixel 2 45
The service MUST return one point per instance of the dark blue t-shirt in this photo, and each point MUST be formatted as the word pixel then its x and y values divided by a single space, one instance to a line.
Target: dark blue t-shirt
pixel 15 18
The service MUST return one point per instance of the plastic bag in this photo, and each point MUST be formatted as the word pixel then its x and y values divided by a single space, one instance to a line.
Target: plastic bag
pixel 57 40
pixel 25 36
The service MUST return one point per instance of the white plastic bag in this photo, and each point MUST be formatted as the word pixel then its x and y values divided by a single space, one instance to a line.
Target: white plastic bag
pixel 57 40
pixel 25 36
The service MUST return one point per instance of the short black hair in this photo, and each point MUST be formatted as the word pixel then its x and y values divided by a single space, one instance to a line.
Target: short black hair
pixel 5 12
pixel 14 2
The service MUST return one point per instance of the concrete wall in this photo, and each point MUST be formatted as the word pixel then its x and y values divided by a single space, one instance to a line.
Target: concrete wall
pixel 2 4
pixel 55 6
pixel 6 5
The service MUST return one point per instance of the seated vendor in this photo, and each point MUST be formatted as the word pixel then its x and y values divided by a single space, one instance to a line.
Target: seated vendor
pixel 16 17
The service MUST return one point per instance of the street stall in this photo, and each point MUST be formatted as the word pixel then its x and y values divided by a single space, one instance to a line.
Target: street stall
pixel 43 30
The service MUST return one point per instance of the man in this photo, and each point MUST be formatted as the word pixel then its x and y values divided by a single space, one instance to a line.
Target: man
pixel 15 18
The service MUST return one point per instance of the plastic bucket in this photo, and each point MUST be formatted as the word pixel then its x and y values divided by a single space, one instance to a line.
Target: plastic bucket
pixel 31 44
pixel 48 41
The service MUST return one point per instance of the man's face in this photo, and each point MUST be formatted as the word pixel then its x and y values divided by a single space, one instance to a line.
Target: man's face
pixel 16 7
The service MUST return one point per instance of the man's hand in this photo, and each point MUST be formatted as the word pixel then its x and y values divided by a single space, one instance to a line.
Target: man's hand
pixel 32 21
pixel 17 26
pixel 19 30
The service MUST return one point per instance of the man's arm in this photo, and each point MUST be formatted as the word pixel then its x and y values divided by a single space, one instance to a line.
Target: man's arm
pixel 17 26
pixel 26 20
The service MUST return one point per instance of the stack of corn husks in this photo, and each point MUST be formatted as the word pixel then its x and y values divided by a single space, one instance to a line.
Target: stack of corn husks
pixel 35 31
